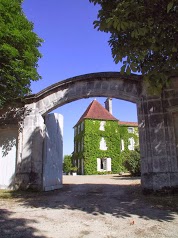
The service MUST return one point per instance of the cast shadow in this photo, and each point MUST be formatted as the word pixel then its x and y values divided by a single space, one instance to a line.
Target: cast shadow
pixel 16 227
pixel 121 201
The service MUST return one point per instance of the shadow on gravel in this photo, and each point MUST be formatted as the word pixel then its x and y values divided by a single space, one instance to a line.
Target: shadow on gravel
pixel 121 201
pixel 13 227
pixel 124 177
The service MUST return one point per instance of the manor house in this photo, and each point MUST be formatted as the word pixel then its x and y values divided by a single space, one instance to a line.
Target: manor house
pixel 100 140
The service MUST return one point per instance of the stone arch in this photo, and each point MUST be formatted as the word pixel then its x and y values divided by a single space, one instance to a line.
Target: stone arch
pixel 108 84
pixel 157 118
pixel 35 132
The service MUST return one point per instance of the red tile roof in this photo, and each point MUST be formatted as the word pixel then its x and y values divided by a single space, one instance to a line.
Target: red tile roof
pixel 96 111
pixel 127 123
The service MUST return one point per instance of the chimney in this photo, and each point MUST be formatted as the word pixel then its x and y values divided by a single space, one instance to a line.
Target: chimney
pixel 108 104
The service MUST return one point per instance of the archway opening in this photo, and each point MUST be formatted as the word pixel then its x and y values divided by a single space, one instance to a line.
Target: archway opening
pixel 124 111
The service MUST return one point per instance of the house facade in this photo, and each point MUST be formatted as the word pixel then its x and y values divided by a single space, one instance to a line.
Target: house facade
pixel 100 140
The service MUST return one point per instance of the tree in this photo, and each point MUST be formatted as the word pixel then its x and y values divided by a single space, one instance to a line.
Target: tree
pixel 18 52
pixel 143 36
pixel 67 165
pixel 132 162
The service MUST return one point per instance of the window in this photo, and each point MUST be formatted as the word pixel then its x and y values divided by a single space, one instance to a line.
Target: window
pixel 82 126
pixel 103 164
pixel 79 146
pixel 130 130
pixel 82 144
pixel 75 150
pixel 78 129
pixel 102 124
pixel 122 144
pixel 103 144
pixel 131 144
pixel 75 131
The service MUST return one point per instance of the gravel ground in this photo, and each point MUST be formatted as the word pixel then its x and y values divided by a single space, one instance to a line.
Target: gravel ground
pixel 107 206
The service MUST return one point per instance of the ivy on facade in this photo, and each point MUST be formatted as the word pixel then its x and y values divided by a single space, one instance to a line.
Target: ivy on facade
pixel 87 145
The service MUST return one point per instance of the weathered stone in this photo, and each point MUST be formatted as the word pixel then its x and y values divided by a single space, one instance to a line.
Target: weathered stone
pixel 157 118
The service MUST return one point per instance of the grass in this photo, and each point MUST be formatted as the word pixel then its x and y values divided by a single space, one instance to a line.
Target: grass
pixel 15 194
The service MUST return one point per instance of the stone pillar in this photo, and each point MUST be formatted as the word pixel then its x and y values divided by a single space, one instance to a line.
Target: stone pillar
pixel 159 161
pixel 29 159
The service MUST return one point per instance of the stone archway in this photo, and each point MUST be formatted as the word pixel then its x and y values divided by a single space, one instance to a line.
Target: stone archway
pixel 108 84
pixel 157 126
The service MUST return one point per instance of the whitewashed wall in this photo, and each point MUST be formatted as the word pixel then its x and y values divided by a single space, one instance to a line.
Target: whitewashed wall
pixel 53 152
pixel 8 141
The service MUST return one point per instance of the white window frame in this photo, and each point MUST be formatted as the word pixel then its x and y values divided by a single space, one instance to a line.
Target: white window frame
pixel 130 130
pixel 103 145
pixel 107 162
pixel 131 145
pixel 102 125
pixel 122 145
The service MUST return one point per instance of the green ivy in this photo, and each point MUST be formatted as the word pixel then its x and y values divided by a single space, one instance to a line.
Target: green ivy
pixel 91 135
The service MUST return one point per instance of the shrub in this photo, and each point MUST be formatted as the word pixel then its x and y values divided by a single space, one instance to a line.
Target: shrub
pixel 74 169
pixel 132 162
pixel 67 164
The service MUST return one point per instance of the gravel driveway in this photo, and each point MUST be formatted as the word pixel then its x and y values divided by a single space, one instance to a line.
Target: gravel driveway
pixel 107 206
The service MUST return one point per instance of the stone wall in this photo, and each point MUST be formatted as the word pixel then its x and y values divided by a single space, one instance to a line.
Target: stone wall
pixel 157 132
pixel 157 118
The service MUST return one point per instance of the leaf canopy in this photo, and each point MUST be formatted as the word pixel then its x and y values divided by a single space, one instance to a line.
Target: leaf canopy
pixel 143 36
pixel 19 52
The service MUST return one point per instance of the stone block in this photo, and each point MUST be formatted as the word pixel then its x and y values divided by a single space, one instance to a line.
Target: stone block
pixel 168 93
pixel 144 165
pixel 173 164
pixel 90 85
pixel 173 102
pixel 161 181
pixel 105 86
pixel 156 120
pixel 154 106
pixel 22 181
pixel 174 179
pixel 158 149
pixel 147 181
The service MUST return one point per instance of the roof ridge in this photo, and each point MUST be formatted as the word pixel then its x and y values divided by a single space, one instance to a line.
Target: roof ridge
pixel 96 111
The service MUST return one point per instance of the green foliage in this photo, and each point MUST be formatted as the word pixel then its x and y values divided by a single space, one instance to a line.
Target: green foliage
pixel 67 164
pixel 91 136
pixel 74 169
pixel 92 151
pixel 132 162
pixel 18 52
pixel 143 36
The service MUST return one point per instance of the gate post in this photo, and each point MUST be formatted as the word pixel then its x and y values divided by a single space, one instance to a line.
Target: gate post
pixel 29 163
pixel 157 134
pixel 53 152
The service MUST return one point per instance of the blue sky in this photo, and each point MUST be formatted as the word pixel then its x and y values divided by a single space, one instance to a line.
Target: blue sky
pixel 72 47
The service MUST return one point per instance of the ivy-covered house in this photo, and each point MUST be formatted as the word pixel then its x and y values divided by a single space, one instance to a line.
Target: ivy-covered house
pixel 100 140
